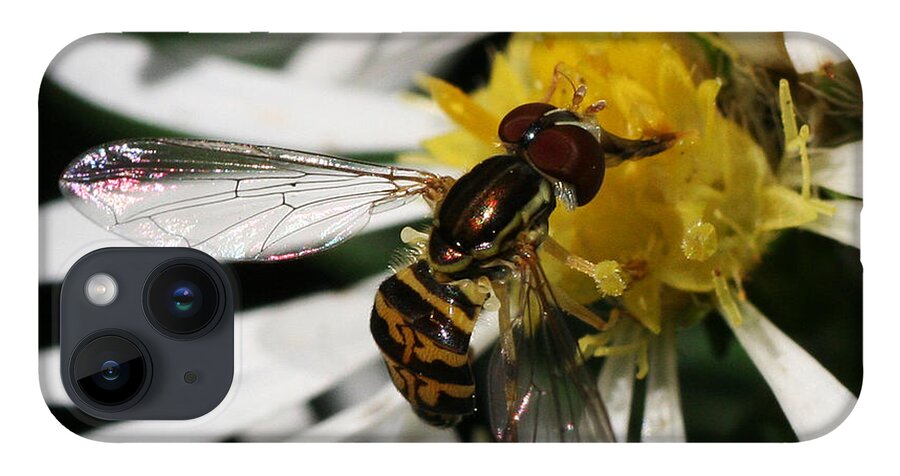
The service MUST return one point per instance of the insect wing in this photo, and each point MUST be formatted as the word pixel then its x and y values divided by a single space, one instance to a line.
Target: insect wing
pixel 234 201
pixel 539 389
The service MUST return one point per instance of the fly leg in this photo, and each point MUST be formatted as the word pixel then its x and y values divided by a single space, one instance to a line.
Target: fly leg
pixel 610 277
pixel 526 252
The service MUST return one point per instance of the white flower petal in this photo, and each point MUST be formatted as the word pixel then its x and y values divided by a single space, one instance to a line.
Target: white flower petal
pixel 66 236
pixel 663 418
pixel 385 416
pixel 279 426
pixel 812 399
pixel 326 58
pixel 843 226
pixel 224 99
pixel 809 52
pixel 838 169
pixel 487 329
pixel 616 383
pixel 386 62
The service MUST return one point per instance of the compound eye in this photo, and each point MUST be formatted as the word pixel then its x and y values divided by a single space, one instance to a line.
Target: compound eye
pixel 571 154
pixel 517 121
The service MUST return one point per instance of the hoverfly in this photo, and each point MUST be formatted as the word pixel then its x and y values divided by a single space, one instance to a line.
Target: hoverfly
pixel 247 202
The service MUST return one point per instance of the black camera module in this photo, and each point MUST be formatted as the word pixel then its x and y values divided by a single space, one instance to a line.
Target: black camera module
pixel 183 299
pixel 172 317
pixel 111 370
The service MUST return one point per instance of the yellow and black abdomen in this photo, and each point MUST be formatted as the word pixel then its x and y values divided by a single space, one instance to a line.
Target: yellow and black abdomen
pixel 423 328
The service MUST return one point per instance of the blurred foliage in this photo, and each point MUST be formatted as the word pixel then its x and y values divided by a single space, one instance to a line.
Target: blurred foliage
pixel 750 66
pixel 834 103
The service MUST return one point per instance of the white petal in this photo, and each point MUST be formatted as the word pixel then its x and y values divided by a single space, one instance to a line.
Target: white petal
pixel 385 416
pixel 616 383
pixel 224 99
pixel 66 236
pixel 339 397
pixel 663 418
pixel 386 62
pixel 813 401
pixel 809 52
pixel 843 226
pixel 487 329
pixel 325 59
pixel 838 169
pixel 279 426
pixel 617 387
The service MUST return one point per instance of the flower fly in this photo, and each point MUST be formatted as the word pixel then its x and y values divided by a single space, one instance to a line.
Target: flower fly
pixel 247 202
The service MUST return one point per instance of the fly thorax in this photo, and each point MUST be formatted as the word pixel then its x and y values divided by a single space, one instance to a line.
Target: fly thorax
pixel 486 210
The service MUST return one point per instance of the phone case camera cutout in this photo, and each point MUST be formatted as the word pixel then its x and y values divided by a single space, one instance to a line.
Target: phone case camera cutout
pixel 146 333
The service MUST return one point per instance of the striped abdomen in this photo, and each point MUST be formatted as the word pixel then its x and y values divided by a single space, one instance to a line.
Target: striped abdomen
pixel 423 328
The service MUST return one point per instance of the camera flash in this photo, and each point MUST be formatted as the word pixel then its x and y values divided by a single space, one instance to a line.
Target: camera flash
pixel 100 289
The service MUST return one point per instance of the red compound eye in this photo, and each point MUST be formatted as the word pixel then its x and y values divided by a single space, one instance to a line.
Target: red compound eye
pixel 571 154
pixel 517 121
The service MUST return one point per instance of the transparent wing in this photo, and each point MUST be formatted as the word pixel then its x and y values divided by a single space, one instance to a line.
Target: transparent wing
pixel 539 388
pixel 234 201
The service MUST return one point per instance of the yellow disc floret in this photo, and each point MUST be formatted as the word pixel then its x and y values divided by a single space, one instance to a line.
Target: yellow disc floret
pixel 697 216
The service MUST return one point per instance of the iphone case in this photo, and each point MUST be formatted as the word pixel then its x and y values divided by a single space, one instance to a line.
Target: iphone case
pixel 711 290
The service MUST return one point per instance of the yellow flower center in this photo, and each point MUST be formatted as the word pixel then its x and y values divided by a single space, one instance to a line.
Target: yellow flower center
pixel 696 218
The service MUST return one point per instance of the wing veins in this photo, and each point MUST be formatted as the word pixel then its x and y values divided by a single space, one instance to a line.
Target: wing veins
pixel 152 219
pixel 149 212
pixel 230 195
pixel 307 159
pixel 545 367
pixel 331 199
pixel 132 187
pixel 241 221
pixel 265 245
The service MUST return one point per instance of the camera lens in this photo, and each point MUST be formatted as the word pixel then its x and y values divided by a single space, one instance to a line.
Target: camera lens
pixel 185 300
pixel 110 370
pixel 182 300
